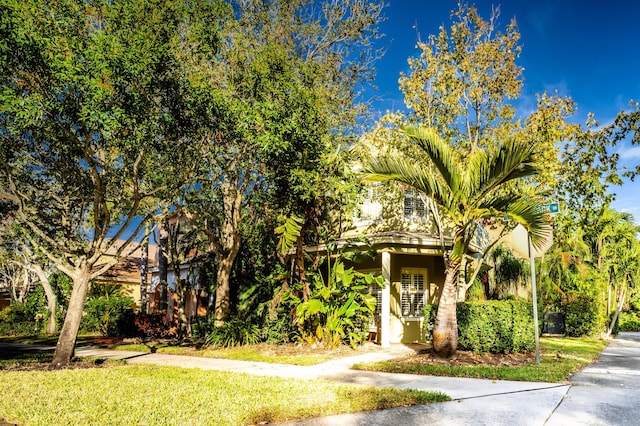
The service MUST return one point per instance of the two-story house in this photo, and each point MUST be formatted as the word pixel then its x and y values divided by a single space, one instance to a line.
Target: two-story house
pixel 400 225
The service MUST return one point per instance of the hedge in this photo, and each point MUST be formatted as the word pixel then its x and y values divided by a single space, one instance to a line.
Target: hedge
pixel 628 321
pixel 504 326
pixel 584 315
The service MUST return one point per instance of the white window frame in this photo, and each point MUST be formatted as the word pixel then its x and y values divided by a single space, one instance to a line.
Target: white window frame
pixel 414 208
pixel 375 290
pixel 414 292
pixel 371 208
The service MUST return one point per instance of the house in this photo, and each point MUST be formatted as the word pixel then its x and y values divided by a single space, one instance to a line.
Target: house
pixel 126 273
pixel 399 224
pixel 197 297
pixel 186 267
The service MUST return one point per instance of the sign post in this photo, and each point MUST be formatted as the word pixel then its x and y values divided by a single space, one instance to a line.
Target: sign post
pixel 535 300
pixel 551 209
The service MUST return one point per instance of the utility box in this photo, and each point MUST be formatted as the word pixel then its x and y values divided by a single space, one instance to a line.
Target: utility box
pixel 553 324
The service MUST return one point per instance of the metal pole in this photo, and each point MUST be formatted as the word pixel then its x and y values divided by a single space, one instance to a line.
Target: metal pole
pixel 535 299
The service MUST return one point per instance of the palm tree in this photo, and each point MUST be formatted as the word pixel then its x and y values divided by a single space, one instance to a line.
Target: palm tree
pixel 468 189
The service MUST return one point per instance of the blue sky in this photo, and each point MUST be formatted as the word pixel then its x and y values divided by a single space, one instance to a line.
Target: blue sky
pixel 589 50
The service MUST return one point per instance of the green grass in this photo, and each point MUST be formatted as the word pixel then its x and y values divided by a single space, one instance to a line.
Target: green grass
pixel 10 357
pixel 559 358
pixel 151 395
pixel 244 353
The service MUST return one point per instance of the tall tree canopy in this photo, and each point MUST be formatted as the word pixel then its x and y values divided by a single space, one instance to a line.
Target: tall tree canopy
pixel 277 104
pixel 93 126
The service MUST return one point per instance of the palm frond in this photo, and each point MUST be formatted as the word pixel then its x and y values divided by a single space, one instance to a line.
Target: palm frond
pixel 513 160
pixel 288 233
pixel 443 156
pixel 401 169
pixel 524 211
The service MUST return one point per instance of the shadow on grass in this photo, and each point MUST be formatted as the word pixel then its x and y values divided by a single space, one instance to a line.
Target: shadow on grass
pixel 10 356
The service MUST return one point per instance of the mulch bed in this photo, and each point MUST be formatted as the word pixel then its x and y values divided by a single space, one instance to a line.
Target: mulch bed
pixel 468 358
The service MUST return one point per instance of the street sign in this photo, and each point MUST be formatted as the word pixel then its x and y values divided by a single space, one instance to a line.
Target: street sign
pixel 550 208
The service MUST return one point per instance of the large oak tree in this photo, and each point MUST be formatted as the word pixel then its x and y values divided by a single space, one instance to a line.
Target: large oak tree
pixel 93 126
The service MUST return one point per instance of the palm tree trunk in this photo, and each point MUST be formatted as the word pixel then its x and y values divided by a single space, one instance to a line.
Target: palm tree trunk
pixel 617 313
pixel 445 330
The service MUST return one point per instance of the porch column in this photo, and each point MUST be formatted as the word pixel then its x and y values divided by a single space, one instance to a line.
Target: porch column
pixel 385 309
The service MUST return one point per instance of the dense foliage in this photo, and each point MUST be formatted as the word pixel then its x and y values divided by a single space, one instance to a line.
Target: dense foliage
pixel 504 326
pixel 107 311
pixel 239 115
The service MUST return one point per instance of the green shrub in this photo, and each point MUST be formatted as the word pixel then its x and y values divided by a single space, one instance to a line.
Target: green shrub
pixel 107 311
pixel 490 326
pixel 28 318
pixel 201 327
pixel 430 312
pixel 18 320
pixel 583 315
pixel 234 332
pixel 281 329
pixel 628 321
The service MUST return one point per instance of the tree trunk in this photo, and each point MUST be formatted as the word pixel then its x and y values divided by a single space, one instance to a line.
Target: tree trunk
pixel 51 298
pixel 229 246
pixel 617 313
pixel 67 341
pixel 223 291
pixel 144 271
pixel 445 330
pixel 163 241
pixel 183 321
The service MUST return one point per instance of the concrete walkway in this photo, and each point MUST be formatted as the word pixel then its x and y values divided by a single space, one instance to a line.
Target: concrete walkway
pixel 605 393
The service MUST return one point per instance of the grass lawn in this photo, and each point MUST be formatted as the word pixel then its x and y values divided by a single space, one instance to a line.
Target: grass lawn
pixel 280 354
pixel 257 353
pixel 559 358
pixel 121 394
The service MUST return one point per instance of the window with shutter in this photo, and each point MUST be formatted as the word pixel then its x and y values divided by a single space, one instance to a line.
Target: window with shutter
pixel 413 207
pixel 413 292
pixel 375 290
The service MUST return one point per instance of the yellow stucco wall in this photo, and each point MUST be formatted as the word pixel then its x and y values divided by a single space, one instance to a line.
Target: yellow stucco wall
pixel 408 330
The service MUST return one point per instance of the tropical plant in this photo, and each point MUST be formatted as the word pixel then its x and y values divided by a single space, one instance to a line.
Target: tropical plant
pixel 340 308
pixel 510 271
pixel 106 310
pixel 467 188
pixel 235 332
pixel 565 264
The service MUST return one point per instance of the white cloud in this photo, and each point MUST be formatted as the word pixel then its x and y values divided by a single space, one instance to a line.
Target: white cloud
pixel 629 153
